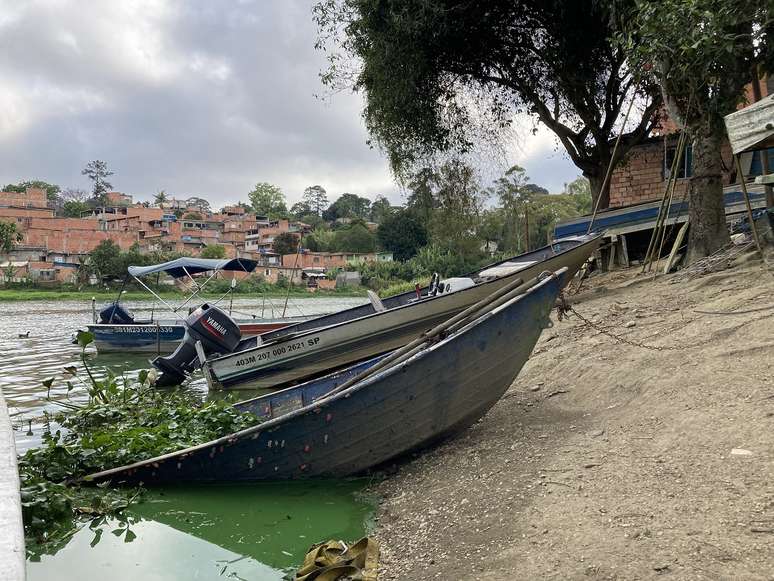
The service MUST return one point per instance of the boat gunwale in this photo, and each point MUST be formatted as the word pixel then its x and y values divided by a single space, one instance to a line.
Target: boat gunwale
pixel 294 336
pixel 317 405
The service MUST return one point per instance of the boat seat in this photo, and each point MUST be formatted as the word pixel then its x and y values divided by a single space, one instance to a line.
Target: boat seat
pixel 506 268
pixel 376 302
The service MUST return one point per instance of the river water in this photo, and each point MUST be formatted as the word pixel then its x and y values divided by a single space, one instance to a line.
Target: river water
pixel 249 532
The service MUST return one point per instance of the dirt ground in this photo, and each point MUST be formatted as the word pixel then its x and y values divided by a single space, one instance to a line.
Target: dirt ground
pixel 606 460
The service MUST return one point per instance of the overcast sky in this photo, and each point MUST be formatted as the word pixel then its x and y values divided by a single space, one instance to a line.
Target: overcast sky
pixel 197 98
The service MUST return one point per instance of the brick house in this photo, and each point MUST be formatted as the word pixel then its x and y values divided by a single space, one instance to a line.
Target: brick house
pixel 643 175
pixel 33 203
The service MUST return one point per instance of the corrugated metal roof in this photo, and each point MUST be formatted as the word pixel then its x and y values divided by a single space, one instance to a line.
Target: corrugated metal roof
pixel 753 127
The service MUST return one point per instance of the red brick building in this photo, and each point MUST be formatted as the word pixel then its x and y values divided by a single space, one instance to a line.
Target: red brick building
pixel 643 175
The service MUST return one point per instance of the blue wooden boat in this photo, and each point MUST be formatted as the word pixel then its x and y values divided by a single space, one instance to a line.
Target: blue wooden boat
pixel 116 329
pixel 315 430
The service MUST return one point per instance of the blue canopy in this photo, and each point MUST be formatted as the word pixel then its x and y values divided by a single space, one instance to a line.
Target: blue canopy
pixel 183 266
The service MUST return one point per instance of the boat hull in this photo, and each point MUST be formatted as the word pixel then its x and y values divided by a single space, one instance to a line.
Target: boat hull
pixel 158 338
pixel 295 358
pixel 437 392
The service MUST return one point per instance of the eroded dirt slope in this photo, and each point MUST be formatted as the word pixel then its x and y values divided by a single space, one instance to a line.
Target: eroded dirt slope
pixel 606 460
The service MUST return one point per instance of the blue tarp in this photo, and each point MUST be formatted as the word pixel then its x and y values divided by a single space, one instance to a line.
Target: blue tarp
pixel 177 268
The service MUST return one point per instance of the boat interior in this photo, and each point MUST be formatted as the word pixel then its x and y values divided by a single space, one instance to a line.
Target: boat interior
pixel 276 404
pixel 489 272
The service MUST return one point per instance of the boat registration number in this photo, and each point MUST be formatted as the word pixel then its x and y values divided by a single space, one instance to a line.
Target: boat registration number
pixel 277 351
pixel 143 329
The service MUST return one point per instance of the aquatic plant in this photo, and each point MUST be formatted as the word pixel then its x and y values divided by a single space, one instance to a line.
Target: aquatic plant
pixel 121 422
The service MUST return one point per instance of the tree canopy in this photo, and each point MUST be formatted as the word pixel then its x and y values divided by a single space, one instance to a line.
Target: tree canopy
pixel 437 74
pixel 355 238
pixel 214 251
pixel 380 209
pixel 160 198
pixel 402 233
pixel 52 190
pixel 348 206
pixel 74 208
pixel 285 243
pixel 97 171
pixel 268 200
pixel 315 198
pixel 703 53
pixel 105 259
pixel 9 236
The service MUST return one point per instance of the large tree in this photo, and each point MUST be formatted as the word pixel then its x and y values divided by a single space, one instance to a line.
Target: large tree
pixel 402 233
pixel 348 206
pixel 97 171
pixel 512 191
pixel 268 200
pixel 431 69
pixel 703 52
pixel 316 199
pixel 458 203
pixel 105 259
pixel 381 209
pixel 421 200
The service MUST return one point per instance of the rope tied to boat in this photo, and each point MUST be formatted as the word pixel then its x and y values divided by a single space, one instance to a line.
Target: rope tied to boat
pixel 564 308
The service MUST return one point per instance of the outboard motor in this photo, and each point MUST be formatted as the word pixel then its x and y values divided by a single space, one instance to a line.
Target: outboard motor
pixel 433 288
pixel 116 314
pixel 217 332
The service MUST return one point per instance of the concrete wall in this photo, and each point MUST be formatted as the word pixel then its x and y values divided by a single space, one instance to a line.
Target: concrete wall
pixel 12 555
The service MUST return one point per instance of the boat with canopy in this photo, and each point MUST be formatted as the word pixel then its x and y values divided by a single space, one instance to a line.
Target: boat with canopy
pixel 116 329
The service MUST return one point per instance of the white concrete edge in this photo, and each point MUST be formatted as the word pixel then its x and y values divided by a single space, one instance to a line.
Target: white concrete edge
pixel 12 553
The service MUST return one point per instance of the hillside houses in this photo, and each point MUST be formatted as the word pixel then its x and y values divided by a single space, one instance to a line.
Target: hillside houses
pixel 53 247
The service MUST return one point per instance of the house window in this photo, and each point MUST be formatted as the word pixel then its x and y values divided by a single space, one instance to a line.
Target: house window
pixel 756 163
pixel 685 169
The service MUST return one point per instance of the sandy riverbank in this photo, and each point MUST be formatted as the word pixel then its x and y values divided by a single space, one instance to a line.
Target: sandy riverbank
pixel 610 461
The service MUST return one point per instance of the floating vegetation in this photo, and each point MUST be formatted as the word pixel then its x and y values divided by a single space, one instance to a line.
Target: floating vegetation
pixel 121 422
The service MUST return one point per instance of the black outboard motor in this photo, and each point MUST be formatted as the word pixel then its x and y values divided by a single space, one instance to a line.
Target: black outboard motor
pixel 116 314
pixel 217 332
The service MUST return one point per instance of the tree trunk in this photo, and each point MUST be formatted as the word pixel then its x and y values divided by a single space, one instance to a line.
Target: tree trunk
pixel 708 230
pixel 596 177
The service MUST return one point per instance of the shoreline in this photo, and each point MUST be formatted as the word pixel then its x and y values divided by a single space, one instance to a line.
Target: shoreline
pixel 9 295
pixel 607 460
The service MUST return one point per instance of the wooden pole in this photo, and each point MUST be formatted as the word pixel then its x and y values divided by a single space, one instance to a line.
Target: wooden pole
pixel 610 165
pixel 660 217
pixel 742 182
pixel 679 156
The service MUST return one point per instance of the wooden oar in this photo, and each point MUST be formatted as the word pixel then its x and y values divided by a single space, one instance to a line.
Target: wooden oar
pixel 475 311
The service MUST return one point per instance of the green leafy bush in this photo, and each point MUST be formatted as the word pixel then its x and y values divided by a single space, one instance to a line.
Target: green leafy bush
pixel 121 422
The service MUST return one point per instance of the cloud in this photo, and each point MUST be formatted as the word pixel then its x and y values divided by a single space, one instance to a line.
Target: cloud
pixel 194 97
